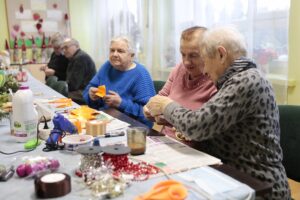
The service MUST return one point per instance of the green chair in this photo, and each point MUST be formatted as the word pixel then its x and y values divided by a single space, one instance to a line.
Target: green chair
pixel 61 87
pixel 158 85
pixel 290 139
pixel 51 80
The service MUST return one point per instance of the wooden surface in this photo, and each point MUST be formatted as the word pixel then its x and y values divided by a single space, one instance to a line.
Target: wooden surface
pixel 260 187
pixel 35 71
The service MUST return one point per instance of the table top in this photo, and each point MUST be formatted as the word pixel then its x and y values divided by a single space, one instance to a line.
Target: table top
pixel 260 187
pixel 70 160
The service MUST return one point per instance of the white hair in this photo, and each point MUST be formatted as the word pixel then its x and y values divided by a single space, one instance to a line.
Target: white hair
pixel 57 39
pixel 228 37
pixel 125 39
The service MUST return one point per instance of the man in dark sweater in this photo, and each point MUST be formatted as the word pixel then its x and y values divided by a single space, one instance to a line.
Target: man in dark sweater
pixel 58 63
pixel 81 69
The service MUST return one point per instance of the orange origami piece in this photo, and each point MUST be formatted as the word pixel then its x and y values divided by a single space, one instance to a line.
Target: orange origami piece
pixel 84 112
pixel 166 190
pixel 101 91
pixel 62 102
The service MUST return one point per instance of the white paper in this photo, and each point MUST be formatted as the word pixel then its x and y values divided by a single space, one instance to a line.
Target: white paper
pixel 38 4
pixel 27 14
pixel 28 26
pixel 50 26
pixel 171 153
pixel 54 15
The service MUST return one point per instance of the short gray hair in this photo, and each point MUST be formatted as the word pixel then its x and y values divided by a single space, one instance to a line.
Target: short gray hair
pixel 125 39
pixel 70 41
pixel 57 39
pixel 228 37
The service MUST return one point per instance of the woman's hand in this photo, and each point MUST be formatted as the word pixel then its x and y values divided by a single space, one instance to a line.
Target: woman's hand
pixel 112 99
pixel 92 93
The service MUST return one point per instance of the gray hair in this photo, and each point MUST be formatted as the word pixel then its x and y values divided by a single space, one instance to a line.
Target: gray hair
pixel 125 39
pixel 228 37
pixel 70 41
pixel 57 39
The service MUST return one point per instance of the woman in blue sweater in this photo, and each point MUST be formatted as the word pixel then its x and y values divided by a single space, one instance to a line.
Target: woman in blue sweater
pixel 128 83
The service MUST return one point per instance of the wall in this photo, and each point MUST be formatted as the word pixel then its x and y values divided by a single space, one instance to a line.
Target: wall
pixel 81 30
pixel 294 49
pixel 80 26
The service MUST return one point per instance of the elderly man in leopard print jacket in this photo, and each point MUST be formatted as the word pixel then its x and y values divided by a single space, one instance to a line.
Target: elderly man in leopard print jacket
pixel 240 123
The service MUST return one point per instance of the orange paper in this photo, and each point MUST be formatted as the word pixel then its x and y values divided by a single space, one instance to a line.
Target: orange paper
pixel 84 112
pixel 101 91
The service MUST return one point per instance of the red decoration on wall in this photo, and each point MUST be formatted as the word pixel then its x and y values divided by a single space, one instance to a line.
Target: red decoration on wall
pixel 38 26
pixel 41 20
pixel 36 16
pixel 23 34
pixel 21 9
pixel 16 27
pixel 6 45
pixel 54 5
pixel 66 17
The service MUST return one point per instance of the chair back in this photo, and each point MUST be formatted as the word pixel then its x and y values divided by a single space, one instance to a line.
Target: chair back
pixel 51 80
pixel 59 86
pixel 290 139
pixel 158 85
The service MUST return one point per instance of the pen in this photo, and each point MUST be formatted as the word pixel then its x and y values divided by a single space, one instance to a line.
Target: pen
pixel 113 134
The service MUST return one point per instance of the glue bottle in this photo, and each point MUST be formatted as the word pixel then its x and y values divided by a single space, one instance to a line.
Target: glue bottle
pixel 25 116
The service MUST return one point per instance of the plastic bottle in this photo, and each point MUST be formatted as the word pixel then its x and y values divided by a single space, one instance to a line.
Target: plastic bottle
pixel 25 116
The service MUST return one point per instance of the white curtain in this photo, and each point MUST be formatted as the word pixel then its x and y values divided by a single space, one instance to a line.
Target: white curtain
pixel 156 25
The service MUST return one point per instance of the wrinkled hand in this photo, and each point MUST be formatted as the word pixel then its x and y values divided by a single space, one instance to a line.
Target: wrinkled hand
pixel 92 93
pixel 112 99
pixel 43 68
pixel 157 104
pixel 160 120
pixel 147 114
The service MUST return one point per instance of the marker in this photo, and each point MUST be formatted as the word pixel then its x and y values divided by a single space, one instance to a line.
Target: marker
pixel 113 134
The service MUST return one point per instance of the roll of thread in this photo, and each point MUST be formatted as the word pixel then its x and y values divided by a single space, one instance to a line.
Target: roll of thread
pixel 90 157
pixel 95 127
pixel 52 185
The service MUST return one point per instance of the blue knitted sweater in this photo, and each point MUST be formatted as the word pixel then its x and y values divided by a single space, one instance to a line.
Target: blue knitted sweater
pixel 134 86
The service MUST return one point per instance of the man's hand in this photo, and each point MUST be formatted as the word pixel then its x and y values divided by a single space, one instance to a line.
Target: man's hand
pixel 92 93
pixel 112 99
pixel 147 114
pixel 43 68
pixel 157 104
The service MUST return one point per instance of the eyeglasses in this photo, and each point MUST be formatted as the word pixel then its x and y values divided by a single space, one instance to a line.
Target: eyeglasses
pixel 67 46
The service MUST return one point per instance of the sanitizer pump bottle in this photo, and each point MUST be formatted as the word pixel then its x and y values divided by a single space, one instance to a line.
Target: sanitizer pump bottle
pixel 25 116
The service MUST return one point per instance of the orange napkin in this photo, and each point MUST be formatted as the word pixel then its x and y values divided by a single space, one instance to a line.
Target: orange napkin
pixel 166 190
pixel 101 91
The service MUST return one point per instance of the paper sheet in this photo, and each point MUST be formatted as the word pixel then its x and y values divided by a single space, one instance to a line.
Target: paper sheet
pixel 173 156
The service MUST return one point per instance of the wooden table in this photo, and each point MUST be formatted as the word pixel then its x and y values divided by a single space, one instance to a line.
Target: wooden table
pixel 261 188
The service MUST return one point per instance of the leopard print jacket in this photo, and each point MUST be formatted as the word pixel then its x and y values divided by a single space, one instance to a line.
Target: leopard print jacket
pixel 240 125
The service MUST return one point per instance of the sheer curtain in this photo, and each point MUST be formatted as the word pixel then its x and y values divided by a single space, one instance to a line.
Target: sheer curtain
pixel 156 25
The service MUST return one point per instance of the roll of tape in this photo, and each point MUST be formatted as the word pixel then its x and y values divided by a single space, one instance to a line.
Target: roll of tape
pixel 95 128
pixel 52 185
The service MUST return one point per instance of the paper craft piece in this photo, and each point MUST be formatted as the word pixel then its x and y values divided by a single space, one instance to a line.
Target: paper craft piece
pixel 38 4
pixel 101 91
pixel 55 15
pixel 84 112
pixel 62 102
pixel 28 26
pixel 50 26
pixel 26 14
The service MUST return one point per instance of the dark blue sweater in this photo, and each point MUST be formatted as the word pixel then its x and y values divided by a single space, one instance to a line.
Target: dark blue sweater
pixel 134 86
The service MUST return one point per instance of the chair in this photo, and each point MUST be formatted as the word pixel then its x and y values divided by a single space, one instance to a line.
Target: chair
pixel 290 139
pixel 158 85
pixel 59 86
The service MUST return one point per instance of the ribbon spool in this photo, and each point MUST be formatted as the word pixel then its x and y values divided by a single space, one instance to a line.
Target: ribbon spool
pixel 95 128
pixel 52 185
pixel 90 157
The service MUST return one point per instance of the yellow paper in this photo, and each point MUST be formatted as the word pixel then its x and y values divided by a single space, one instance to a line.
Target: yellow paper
pixel 101 91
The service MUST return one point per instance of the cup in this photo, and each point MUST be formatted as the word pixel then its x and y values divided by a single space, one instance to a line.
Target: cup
pixel 136 140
